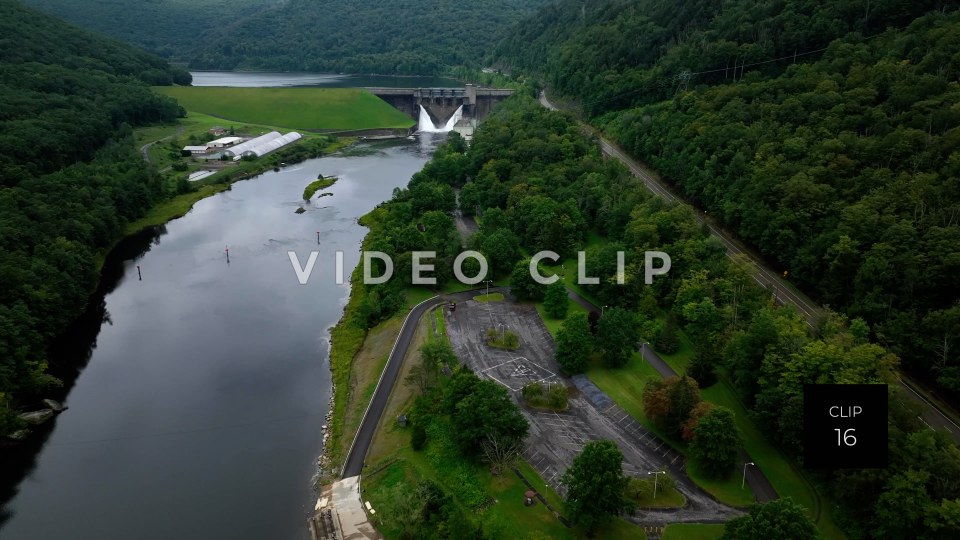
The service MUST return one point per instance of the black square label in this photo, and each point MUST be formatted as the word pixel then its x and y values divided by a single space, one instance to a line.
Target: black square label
pixel 845 426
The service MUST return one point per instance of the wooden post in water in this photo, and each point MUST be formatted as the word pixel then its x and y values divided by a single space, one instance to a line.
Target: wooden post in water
pixel 139 275
pixel 318 238
pixel 228 254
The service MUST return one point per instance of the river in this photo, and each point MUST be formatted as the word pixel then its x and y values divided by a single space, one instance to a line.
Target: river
pixel 199 412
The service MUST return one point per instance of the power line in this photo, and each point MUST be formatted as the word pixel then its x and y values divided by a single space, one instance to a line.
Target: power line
pixel 685 76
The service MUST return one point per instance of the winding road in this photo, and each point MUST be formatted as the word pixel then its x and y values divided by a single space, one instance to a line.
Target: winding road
pixel 353 465
pixel 932 415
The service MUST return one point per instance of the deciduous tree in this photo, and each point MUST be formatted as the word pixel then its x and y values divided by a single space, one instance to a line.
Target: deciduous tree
pixel 595 485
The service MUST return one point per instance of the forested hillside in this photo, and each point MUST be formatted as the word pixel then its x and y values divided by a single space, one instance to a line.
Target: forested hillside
pixel 70 178
pixel 528 170
pixel 349 36
pixel 169 28
pixel 824 133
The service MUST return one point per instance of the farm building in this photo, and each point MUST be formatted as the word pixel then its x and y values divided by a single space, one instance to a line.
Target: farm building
pixel 217 131
pixel 195 149
pixel 271 145
pixel 262 145
pixel 239 149
pixel 224 142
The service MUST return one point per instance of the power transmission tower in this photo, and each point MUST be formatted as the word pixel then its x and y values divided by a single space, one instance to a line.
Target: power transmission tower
pixel 683 80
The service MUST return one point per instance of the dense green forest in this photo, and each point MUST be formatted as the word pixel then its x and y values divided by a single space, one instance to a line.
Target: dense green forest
pixel 529 169
pixel 824 133
pixel 348 36
pixel 70 178
pixel 168 28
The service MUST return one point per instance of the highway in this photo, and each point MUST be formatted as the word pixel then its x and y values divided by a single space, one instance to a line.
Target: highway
pixel 773 281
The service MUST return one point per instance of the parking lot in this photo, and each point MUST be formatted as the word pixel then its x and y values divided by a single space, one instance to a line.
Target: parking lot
pixel 555 438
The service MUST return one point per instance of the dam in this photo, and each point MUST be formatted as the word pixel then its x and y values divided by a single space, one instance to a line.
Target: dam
pixel 444 109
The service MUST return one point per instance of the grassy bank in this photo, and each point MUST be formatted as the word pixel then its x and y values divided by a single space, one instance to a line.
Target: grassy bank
pixel 308 109
pixel 692 531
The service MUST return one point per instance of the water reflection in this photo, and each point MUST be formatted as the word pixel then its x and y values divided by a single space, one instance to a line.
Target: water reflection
pixel 197 393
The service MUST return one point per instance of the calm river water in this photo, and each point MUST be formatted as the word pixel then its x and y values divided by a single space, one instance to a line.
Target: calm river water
pixel 199 413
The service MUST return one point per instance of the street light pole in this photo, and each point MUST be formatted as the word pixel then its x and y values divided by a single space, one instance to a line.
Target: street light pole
pixel 603 308
pixel 655 477
pixel 744 479
pixel 489 313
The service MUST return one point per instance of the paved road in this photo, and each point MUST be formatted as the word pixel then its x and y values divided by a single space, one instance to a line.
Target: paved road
pixel 935 418
pixel 378 403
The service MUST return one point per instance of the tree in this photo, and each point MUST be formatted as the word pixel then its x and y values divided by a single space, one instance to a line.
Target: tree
pixel 555 301
pixel 522 284
pixel 617 336
pixel 500 451
pixel 595 485
pixel 899 511
pixel 461 385
pixel 437 353
pixel 693 420
pixel 944 520
pixel 487 411
pixel 501 249
pixel 716 441
pixel 574 344
pixel 669 402
pixel 668 342
pixel 701 368
pixel 782 519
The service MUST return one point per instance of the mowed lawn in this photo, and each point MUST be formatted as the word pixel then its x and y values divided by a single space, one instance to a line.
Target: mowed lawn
pixel 292 108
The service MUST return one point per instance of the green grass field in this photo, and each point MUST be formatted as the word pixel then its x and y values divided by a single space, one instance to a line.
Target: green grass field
pixel 692 531
pixel 291 108
pixel 492 297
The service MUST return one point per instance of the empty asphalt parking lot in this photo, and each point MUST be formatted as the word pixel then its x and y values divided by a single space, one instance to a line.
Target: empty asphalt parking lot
pixel 557 437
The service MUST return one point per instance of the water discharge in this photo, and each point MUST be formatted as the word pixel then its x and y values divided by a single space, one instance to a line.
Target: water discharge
pixel 426 123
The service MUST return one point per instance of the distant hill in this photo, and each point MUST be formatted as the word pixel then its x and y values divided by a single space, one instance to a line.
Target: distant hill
pixel 70 178
pixel 169 28
pixel 350 36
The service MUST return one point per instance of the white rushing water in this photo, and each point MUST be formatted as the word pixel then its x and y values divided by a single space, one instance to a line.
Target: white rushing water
pixel 426 123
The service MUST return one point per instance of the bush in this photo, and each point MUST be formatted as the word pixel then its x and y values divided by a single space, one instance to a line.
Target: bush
pixel 505 340
pixel 551 396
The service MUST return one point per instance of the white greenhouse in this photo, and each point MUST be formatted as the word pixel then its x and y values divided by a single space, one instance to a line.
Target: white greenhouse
pixel 269 146
pixel 239 149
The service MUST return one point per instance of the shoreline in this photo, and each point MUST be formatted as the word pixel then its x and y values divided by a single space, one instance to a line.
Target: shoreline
pixel 160 214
